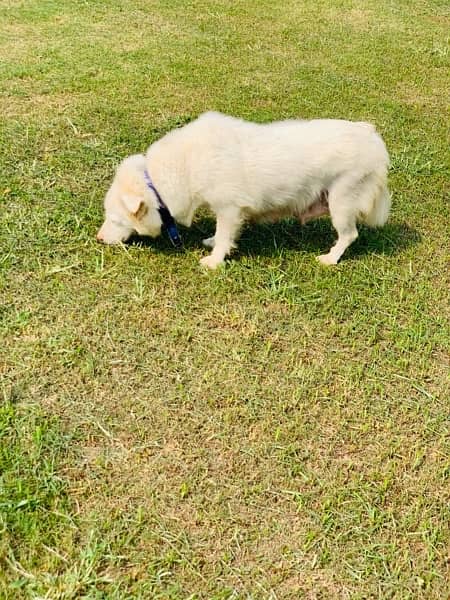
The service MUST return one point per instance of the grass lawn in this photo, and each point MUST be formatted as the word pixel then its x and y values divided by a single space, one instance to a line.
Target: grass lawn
pixel 273 430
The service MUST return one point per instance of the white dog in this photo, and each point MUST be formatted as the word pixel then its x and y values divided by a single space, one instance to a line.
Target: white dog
pixel 246 171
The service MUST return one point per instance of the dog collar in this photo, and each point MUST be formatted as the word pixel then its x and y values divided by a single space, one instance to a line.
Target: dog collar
pixel 167 220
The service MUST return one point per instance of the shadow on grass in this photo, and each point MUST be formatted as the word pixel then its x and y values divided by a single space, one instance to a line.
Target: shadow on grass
pixel 315 237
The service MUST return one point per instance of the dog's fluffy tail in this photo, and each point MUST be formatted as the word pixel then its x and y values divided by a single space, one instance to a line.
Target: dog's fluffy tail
pixel 378 213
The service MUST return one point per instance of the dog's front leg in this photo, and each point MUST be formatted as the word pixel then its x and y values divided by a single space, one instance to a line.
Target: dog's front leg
pixel 209 242
pixel 229 222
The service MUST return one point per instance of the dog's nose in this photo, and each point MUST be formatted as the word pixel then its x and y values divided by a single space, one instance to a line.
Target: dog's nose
pixel 100 237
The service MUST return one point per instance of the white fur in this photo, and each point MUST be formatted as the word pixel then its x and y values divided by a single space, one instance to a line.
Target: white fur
pixel 246 171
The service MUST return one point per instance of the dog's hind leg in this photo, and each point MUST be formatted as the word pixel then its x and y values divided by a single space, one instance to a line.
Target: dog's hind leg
pixel 347 233
pixel 229 223
pixel 341 202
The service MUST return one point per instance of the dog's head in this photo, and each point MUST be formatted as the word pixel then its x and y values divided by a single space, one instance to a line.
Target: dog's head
pixel 129 205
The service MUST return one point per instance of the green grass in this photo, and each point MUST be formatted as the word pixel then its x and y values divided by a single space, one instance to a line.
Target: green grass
pixel 273 430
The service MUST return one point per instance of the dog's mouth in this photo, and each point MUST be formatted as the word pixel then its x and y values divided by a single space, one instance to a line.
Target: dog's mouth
pixel 111 241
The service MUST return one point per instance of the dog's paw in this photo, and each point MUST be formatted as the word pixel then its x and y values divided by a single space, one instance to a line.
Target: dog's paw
pixel 210 262
pixel 326 259
pixel 209 242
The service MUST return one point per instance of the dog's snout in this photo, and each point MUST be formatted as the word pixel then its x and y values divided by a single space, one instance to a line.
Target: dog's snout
pixel 100 237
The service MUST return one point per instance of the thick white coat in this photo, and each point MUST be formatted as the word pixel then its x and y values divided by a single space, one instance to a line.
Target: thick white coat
pixel 244 171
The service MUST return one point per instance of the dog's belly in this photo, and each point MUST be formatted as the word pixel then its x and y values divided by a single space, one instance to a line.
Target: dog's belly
pixel 315 210
pixel 274 215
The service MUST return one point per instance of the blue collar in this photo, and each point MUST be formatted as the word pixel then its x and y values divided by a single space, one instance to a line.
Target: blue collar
pixel 166 218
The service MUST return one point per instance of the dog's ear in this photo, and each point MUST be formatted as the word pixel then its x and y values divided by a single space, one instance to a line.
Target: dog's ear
pixel 133 204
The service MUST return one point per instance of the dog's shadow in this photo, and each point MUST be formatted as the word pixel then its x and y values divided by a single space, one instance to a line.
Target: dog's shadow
pixel 315 237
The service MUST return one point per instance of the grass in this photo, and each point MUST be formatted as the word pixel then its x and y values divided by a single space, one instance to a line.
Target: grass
pixel 275 429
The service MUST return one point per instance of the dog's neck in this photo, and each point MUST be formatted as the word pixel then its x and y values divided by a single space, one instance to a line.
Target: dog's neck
pixel 167 167
pixel 166 217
